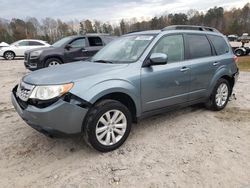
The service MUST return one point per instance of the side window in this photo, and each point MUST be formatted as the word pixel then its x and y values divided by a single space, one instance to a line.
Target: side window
pixel 23 43
pixel 35 43
pixel 219 44
pixel 173 46
pixel 199 46
pixel 78 43
pixel 95 41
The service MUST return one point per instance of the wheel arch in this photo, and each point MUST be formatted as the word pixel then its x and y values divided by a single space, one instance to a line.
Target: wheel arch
pixel 10 51
pixel 53 56
pixel 222 73
pixel 123 98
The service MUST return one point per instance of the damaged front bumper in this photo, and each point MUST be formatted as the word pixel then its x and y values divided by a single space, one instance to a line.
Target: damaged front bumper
pixel 64 116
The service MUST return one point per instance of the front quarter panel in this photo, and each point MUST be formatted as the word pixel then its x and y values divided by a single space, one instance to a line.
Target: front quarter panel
pixel 97 91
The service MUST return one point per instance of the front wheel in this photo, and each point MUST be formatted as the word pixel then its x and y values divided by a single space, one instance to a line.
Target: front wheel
pixel 52 62
pixel 239 53
pixel 9 55
pixel 107 125
pixel 220 95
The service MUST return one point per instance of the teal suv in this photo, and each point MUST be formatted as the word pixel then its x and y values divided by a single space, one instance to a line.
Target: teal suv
pixel 134 76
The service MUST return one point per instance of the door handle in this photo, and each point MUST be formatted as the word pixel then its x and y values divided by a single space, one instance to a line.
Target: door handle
pixel 184 69
pixel 84 50
pixel 216 63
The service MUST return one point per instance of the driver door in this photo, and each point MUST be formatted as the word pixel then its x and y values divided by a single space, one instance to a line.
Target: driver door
pixel 76 50
pixel 166 85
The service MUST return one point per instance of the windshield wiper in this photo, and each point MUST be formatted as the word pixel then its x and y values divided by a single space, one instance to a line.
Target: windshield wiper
pixel 103 61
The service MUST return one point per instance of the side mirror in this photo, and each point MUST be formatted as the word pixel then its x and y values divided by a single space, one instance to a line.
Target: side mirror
pixel 68 46
pixel 16 45
pixel 157 59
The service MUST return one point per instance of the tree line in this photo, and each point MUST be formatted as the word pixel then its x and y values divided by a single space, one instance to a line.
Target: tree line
pixel 234 21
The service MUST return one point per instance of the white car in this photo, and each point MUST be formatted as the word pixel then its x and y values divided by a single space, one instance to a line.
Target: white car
pixel 18 48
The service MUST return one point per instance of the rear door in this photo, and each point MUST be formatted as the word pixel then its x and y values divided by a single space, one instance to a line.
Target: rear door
pixel 203 64
pixel 35 44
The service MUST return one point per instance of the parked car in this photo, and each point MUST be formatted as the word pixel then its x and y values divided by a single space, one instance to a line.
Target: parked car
pixel 241 51
pixel 232 38
pixel 135 76
pixel 18 48
pixel 68 49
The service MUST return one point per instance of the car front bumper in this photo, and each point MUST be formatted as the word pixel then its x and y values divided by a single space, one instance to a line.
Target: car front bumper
pixel 60 118
pixel 32 64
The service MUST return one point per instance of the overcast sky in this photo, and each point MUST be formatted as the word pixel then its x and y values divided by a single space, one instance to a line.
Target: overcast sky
pixel 105 10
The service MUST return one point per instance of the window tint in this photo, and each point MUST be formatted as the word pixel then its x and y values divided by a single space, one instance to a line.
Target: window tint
pixel 95 41
pixel 35 43
pixel 219 44
pixel 23 43
pixel 78 43
pixel 199 46
pixel 172 46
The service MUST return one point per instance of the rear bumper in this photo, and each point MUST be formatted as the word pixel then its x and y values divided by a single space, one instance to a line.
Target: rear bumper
pixel 236 76
pixel 60 118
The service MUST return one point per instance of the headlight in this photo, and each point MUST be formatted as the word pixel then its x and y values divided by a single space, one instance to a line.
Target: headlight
pixel 35 53
pixel 50 92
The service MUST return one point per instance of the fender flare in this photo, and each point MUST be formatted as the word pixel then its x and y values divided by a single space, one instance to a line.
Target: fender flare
pixel 219 74
pixel 100 89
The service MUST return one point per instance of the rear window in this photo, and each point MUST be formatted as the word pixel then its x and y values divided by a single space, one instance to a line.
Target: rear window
pixel 199 46
pixel 95 41
pixel 219 44
pixel 35 43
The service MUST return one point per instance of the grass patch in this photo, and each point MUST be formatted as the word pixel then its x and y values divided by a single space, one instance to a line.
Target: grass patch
pixel 244 63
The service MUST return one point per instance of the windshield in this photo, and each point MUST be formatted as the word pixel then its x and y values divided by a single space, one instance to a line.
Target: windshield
pixel 61 42
pixel 125 49
pixel 14 43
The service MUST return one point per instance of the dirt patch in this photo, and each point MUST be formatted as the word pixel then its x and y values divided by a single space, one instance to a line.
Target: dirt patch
pixel 234 114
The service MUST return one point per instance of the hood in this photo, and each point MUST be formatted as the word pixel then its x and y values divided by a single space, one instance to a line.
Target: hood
pixel 70 72
pixel 3 44
pixel 42 48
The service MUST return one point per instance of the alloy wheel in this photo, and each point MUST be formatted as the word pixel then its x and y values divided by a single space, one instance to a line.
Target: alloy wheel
pixel 221 94
pixel 111 127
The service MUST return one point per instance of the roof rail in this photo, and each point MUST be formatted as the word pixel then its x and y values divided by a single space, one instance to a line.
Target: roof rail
pixel 190 27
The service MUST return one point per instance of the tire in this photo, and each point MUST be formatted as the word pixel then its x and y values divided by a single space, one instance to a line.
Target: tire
pixel 9 55
pixel 51 62
pixel 239 53
pixel 94 129
pixel 220 95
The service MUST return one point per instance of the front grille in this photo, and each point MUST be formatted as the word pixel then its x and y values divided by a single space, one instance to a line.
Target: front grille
pixel 26 57
pixel 24 90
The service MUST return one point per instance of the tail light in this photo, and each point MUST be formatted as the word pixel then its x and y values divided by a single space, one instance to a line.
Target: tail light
pixel 236 60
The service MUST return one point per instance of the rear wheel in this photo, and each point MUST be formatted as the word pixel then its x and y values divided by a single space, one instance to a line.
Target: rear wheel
pixel 220 96
pixel 9 55
pixel 108 125
pixel 52 62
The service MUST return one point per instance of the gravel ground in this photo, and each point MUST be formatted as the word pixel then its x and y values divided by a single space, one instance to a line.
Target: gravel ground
pixel 192 147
